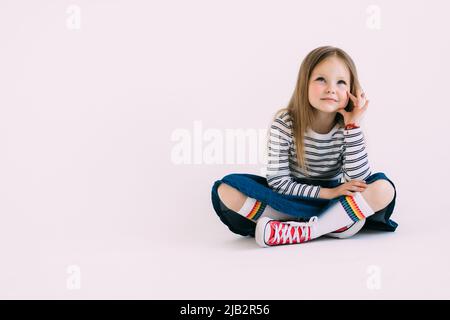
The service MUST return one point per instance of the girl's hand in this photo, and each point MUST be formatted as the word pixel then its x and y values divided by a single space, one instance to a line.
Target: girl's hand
pixel 360 106
pixel 348 188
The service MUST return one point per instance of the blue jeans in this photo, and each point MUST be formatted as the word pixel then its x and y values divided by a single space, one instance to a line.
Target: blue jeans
pixel 256 187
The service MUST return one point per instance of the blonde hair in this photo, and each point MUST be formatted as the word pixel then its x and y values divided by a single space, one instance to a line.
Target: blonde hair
pixel 299 108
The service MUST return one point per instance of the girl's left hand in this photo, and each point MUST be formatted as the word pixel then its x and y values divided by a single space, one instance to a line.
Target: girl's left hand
pixel 360 106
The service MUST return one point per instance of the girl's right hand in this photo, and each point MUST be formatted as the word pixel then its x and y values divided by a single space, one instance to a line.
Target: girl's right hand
pixel 349 188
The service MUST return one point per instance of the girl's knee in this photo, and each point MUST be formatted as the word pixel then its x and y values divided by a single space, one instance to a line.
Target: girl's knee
pixel 383 190
pixel 231 197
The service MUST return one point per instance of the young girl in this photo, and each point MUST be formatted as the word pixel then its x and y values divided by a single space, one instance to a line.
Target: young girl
pixel 313 144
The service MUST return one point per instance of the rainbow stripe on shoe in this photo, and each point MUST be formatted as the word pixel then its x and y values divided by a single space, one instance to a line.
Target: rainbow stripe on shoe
pixel 257 210
pixel 352 209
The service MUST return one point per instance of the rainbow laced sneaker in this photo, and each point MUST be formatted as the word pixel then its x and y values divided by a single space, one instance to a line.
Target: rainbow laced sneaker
pixel 270 232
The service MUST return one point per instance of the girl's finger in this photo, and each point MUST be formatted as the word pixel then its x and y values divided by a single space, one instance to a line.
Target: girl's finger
pixel 366 105
pixel 351 96
pixel 360 95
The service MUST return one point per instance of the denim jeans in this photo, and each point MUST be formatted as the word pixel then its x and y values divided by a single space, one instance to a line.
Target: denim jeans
pixel 299 207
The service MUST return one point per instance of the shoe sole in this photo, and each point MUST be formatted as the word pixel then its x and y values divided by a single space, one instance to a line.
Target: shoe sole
pixel 351 231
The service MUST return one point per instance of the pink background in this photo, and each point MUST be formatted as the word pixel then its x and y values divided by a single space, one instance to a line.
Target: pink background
pixel 87 118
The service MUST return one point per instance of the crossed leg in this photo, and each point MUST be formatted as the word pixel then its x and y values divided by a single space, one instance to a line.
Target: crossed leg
pixel 378 195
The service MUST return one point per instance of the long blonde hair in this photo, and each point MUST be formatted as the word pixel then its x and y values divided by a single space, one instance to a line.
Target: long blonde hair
pixel 299 108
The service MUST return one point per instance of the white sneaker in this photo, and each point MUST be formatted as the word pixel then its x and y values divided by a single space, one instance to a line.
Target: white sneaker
pixel 271 232
pixel 348 231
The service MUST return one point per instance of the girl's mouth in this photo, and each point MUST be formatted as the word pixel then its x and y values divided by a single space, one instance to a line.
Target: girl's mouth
pixel 329 100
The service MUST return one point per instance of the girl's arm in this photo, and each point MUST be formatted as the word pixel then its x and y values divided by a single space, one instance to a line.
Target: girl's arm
pixel 326 193
pixel 278 173
pixel 355 159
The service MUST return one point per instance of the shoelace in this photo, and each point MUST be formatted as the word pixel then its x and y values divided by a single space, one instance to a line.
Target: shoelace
pixel 283 231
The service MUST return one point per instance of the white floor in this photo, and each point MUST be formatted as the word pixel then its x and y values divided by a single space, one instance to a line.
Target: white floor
pixel 201 259
pixel 139 241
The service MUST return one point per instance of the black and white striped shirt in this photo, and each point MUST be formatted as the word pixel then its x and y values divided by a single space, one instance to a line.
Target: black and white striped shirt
pixel 336 155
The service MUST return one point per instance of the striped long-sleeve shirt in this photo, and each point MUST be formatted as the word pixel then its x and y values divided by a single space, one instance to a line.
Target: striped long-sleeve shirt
pixel 339 154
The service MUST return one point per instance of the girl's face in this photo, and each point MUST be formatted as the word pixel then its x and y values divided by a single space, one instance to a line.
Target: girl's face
pixel 328 85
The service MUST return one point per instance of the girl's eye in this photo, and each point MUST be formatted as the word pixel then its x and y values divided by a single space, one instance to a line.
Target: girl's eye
pixel 340 81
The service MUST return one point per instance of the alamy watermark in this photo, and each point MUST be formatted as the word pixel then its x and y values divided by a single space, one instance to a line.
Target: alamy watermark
pixel 73 281
pixel 73 20
pixel 373 21
pixel 214 146
pixel 374 279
